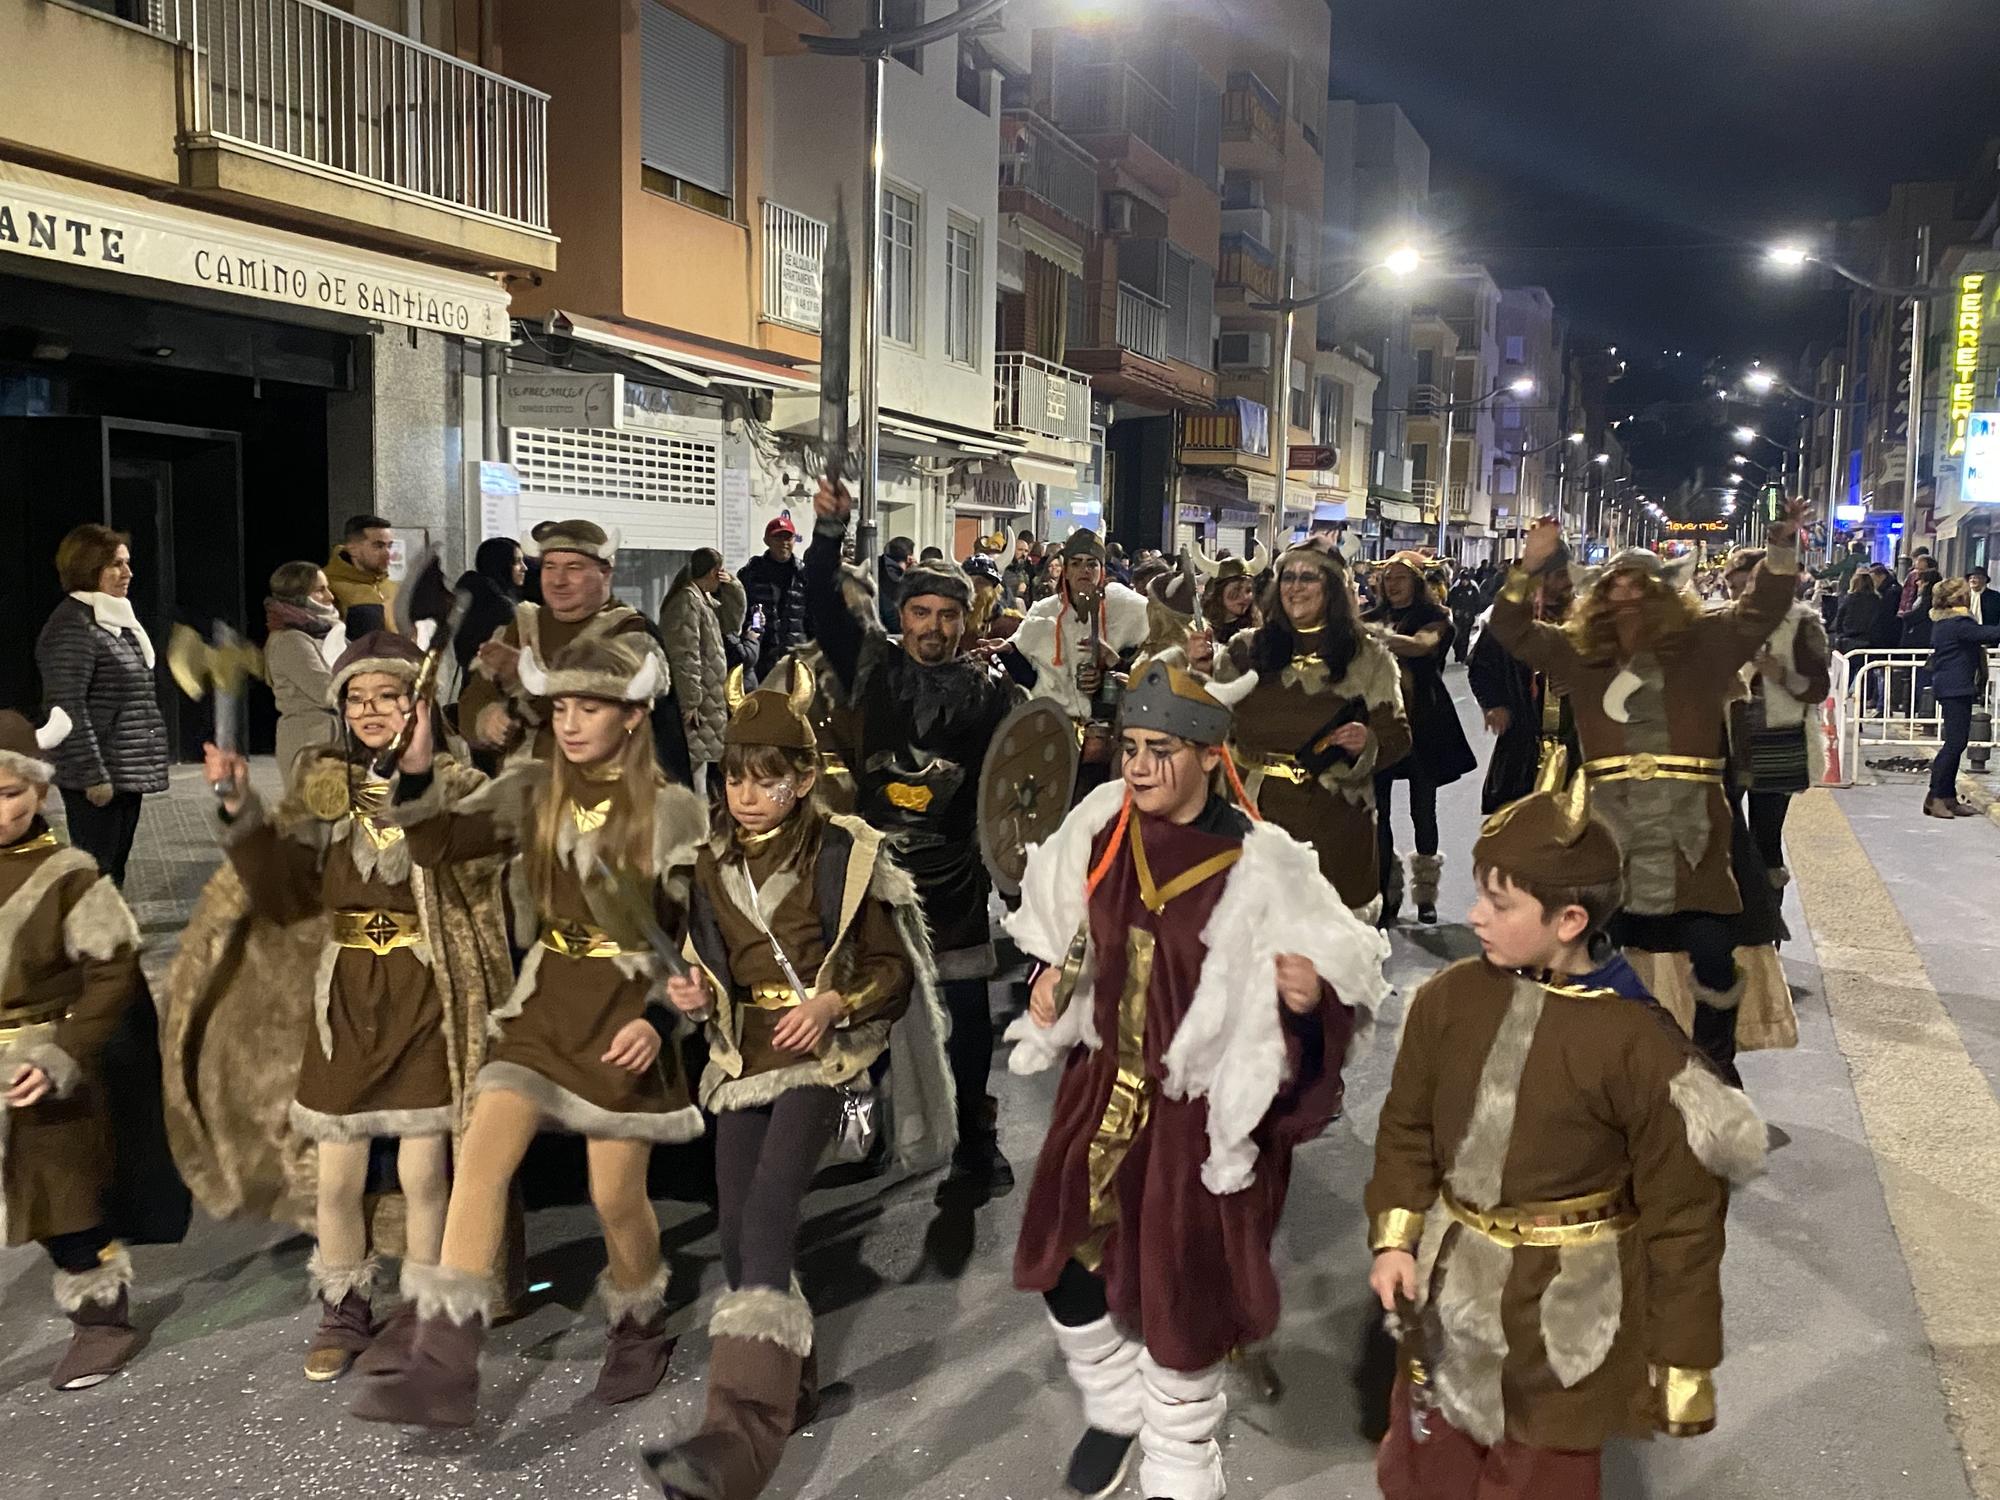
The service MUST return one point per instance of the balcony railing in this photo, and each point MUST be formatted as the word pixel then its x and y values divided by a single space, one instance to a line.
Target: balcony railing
pixel 1426 401
pixel 1251 111
pixel 1238 425
pixel 1036 395
pixel 794 255
pixel 1425 493
pixel 817 7
pixel 1142 323
pixel 1248 265
pixel 299 80
pixel 1101 97
pixel 1038 159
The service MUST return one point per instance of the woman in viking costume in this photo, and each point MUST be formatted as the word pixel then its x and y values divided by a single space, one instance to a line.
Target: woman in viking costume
pixel 811 958
pixel 403 966
pixel 1324 717
pixel 602 850
pixel 69 968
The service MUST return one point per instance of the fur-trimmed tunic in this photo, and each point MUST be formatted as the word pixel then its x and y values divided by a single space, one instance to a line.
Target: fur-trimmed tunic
pixel 1335 813
pixel 1509 1093
pixel 1186 1000
pixel 550 1036
pixel 534 627
pixel 69 965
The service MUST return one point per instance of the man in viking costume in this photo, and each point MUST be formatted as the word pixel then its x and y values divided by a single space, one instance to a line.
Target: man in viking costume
pixel 69 968
pixel 810 960
pixel 396 1021
pixel 1527 716
pixel 1202 1011
pixel 1551 1175
pixel 1229 593
pixel 921 717
pixel 1650 678
pixel 1324 716
pixel 1077 637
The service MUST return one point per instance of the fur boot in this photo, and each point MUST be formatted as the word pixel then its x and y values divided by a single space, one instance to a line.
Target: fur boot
pixel 637 1348
pixel 760 1338
pixel 1425 872
pixel 433 1381
pixel 1183 1414
pixel 1104 1365
pixel 347 1315
pixel 98 1302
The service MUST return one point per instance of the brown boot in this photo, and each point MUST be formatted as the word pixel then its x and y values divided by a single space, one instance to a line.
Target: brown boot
pixel 347 1315
pixel 103 1339
pixel 760 1339
pixel 637 1348
pixel 1937 807
pixel 390 1347
pixel 434 1380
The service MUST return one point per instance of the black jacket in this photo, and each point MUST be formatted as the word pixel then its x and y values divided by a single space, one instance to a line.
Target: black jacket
pixel 102 682
pixel 1958 655
pixel 1438 745
pixel 780 589
pixel 493 606
pixel 1860 619
pixel 1917 623
pixel 1499 679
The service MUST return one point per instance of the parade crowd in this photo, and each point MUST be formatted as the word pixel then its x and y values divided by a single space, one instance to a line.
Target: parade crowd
pixel 751 874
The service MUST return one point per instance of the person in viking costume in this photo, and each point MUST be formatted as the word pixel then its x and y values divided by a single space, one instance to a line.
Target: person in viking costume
pixel 810 959
pixel 1175 631
pixel 1324 718
pixel 69 969
pixel 1202 1012
pixel 405 961
pixel 1551 1175
pixel 922 715
pixel 1076 639
pixel 1229 592
pixel 1650 677
pixel 1409 620
pixel 1525 713
pixel 602 850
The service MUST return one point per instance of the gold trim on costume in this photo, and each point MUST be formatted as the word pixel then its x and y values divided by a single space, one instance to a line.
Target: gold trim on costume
pixel 1396 1229
pixel 589 819
pixel 1156 897
pixel 377 931
pixel 1646 766
pixel 1587 1220
pixel 581 940
pixel 46 839
pixel 1519 586
pixel 1284 767
pixel 775 997
pixel 757 840
pixel 1687 1399
pixel 39 1018
pixel 1125 1112
pixel 913 798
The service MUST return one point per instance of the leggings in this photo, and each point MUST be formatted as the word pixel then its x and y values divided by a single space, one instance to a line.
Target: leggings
pixel 969 1049
pixel 1423 812
pixel 764 1161
pixel 1077 1297
pixel 503 1126
pixel 1766 814
pixel 341 1223
pixel 80 1251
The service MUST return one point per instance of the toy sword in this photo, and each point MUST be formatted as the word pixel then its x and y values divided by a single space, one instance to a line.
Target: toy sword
pixel 628 906
pixel 836 338
pixel 215 668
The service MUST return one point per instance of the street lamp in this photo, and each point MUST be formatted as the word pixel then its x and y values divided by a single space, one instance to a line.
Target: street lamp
pixel 1761 382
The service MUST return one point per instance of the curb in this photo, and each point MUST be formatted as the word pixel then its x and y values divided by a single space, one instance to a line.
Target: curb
pixel 1981 792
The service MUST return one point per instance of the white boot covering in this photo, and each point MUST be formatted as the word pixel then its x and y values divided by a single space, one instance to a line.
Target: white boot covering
pixel 1104 1364
pixel 1179 1456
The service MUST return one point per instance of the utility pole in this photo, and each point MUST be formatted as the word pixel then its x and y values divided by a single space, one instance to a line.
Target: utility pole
pixel 1913 436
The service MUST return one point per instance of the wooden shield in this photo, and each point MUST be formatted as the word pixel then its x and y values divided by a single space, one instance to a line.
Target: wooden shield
pixel 1025 787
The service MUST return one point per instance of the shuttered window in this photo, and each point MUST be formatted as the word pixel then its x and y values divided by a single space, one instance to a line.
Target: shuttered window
pixel 688 104
pixel 961 269
pixel 899 267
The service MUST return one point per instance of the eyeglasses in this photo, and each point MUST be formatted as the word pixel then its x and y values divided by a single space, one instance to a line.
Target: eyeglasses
pixel 1301 577
pixel 376 703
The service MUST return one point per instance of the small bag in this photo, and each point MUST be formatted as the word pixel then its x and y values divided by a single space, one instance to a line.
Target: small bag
pixel 860 1124
pixel 1778 760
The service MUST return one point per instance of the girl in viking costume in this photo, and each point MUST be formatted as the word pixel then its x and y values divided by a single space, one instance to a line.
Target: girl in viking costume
pixel 603 849
pixel 393 1029
pixel 69 966
pixel 812 958
pixel 1202 1013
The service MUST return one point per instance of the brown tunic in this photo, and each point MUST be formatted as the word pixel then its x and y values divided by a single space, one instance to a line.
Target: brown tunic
pixel 536 626
pixel 1334 813
pixel 1594 1092
pixel 69 965
pixel 551 1036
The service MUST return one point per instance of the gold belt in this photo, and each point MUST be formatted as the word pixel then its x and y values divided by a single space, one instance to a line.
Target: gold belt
pixel 378 931
pixel 1645 766
pixel 1284 767
pixel 773 996
pixel 33 1018
pixel 1587 1220
pixel 581 940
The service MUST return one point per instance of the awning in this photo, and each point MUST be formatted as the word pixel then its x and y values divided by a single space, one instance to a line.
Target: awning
pixel 1057 476
pixel 1038 241
pixel 682 356
pixel 950 436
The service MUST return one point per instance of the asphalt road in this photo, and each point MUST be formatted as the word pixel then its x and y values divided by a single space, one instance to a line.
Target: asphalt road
pixel 948 1384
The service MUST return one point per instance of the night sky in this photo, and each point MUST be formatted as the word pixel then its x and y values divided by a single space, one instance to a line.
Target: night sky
pixel 1631 154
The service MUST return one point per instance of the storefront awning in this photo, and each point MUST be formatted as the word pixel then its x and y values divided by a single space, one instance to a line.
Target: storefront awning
pixel 683 357
pixel 951 437
pixel 1057 476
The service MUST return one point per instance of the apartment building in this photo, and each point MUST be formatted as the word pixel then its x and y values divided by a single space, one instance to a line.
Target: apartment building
pixel 1460 385
pixel 255 261
pixel 1533 450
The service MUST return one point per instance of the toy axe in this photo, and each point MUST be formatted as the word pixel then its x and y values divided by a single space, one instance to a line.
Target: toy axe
pixel 217 666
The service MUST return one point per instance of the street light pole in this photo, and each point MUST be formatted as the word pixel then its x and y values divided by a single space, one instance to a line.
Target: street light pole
pixel 1913 437
pixel 866 510
pixel 1281 414
pixel 1444 486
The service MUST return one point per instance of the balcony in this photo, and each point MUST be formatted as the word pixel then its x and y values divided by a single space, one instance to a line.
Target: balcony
pixel 1046 175
pixel 1252 112
pixel 1039 397
pixel 1247 267
pixel 1118 117
pixel 794 257
pixel 1425 493
pixel 1426 403
pixel 1238 427
pixel 1142 323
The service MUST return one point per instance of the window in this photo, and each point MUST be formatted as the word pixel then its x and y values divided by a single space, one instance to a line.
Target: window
pixel 1516 348
pixel 1300 412
pixel 1426 367
pixel 1510 415
pixel 1329 413
pixel 687 111
pixel 973 85
pixel 961 287
pixel 899 267
pixel 905 15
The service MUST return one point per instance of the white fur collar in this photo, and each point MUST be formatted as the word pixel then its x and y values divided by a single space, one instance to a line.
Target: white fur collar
pixel 115 614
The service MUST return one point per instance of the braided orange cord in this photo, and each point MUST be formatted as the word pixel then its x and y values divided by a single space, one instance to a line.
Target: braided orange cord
pixel 1103 867
pixel 1236 786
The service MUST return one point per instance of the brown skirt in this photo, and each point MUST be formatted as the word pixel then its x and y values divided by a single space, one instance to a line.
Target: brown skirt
pixel 389 1073
pixel 1341 833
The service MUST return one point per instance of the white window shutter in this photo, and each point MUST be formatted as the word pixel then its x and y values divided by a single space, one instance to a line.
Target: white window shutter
pixel 687 98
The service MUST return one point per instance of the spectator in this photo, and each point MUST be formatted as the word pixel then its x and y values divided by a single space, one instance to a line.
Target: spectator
pixel 96 662
pixel 1049 580
pixel 1985 601
pixel 1958 678
pixel 358 573
pixel 494 581
pixel 1017 579
pixel 1920 562
pixel 775 586
pixel 1839 573
pixel 931 554
pixel 691 626
pixel 989 618
pixel 1888 628
pixel 1116 565
pixel 1916 617
pixel 1855 627
pixel 303 639
pixel 1465 601
pixel 889 570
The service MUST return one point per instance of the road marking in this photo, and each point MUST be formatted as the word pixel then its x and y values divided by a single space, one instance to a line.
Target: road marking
pixel 1931 1118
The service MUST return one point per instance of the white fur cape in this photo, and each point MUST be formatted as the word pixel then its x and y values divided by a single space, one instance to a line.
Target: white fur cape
pixel 1126 625
pixel 1230 1048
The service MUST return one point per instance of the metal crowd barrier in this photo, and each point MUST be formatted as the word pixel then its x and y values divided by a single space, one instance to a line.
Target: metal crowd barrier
pixel 1881 702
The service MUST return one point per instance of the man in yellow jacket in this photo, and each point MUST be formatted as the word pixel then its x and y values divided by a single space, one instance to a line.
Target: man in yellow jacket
pixel 358 571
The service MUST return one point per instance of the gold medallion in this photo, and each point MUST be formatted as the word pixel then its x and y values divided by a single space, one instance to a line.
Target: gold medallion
pixel 324 788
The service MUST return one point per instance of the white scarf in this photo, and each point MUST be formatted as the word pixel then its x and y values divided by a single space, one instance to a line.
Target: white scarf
pixel 115 614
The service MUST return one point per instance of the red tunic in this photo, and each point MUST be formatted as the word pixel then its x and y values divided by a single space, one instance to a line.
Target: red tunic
pixel 1186 1270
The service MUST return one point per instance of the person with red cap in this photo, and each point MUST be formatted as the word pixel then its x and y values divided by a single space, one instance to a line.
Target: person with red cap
pixel 775 584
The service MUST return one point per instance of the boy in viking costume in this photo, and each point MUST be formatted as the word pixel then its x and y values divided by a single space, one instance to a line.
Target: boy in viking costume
pixel 811 959
pixel 1550 1182
pixel 69 967
pixel 397 1020
pixel 1202 1013
pixel 1650 678
pixel 602 850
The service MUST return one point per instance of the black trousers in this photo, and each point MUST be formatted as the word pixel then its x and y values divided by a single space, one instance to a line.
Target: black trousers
pixel 1766 813
pixel 1077 1297
pixel 764 1162
pixel 970 1049
pixel 104 833
pixel 78 1252
pixel 1423 812
pixel 1957 714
